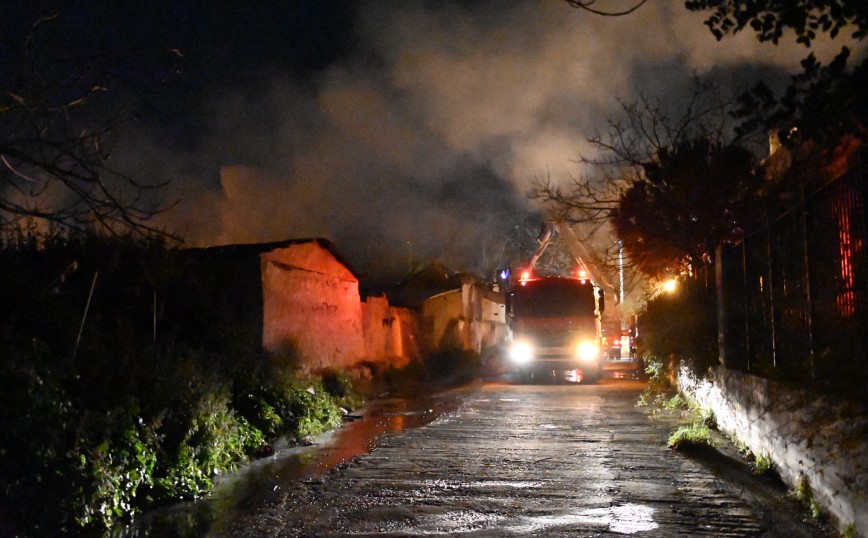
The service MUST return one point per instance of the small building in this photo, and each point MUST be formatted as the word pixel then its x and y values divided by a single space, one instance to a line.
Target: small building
pixel 297 299
pixel 300 301
pixel 471 318
pixel 457 310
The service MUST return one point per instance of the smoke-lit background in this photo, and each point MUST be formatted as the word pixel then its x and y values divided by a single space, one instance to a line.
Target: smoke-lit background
pixel 410 130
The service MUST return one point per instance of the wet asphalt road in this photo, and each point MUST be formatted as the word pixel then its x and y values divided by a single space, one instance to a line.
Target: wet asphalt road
pixel 529 460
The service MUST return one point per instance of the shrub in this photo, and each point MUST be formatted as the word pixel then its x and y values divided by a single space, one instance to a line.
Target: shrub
pixel 682 325
pixel 113 472
pixel 313 412
pixel 216 441
pixel 339 385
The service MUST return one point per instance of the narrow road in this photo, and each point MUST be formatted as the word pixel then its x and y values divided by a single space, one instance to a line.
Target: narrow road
pixel 529 460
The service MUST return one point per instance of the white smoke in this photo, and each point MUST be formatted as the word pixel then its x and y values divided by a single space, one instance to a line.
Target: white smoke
pixel 423 141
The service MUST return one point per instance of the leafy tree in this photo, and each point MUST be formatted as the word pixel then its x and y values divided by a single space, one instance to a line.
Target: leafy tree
pixel 689 199
pixel 66 85
pixel 824 102
pixel 771 18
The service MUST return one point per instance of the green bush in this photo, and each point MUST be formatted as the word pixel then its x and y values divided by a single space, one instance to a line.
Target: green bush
pixel 681 325
pixel 216 441
pixel 313 412
pixel 340 386
pixel 113 473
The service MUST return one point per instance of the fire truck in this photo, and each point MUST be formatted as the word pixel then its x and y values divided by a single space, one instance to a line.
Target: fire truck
pixel 554 321
pixel 555 328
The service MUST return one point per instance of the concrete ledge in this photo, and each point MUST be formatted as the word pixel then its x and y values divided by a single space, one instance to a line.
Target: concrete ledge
pixel 805 436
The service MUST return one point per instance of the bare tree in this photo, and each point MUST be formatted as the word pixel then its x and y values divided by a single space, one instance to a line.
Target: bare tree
pixel 60 107
pixel 625 146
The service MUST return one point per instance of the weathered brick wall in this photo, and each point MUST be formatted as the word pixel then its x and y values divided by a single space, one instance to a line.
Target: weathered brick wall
pixel 805 436
pixel 311 301
pixel 389 332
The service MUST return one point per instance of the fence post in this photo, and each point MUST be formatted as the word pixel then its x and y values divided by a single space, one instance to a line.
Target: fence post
pixel 745 304
pixel 721 309
pixel 84 315
pixel 809 306
pixel 771 288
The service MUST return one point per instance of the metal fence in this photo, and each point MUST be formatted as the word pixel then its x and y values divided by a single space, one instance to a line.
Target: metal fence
pixel 793 295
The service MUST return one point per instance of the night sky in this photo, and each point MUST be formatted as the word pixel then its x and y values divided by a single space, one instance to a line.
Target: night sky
pixel 400 130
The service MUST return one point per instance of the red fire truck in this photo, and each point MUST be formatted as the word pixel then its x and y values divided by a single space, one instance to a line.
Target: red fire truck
pixel 555 328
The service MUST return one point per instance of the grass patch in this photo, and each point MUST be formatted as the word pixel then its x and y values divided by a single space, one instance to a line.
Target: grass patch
pixel 805 495
pixel 690 436
pixel 763 465
pixel 676 402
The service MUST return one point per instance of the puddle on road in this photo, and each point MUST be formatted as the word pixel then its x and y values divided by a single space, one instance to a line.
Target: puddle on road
pixel 237 493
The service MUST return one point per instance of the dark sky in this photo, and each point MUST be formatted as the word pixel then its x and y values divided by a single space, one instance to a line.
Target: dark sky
pixel 400 130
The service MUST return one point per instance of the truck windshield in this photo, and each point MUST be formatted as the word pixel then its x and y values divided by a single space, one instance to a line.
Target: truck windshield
pixel 553 298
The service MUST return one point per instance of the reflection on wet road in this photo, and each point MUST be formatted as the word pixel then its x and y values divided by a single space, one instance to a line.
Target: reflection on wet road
pixel 495 459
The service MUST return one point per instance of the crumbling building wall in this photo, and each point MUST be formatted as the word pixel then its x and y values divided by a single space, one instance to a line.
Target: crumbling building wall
pixel 470 318
pixel 311 303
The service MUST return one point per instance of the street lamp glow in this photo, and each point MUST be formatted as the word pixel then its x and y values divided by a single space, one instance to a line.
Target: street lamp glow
pixel 670 285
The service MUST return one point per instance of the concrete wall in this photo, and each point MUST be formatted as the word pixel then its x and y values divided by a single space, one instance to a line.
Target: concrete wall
pixel 470 318
pixel 821 440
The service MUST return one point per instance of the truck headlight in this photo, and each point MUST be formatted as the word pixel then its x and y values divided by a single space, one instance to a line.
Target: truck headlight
pixel 521 352
pixel 588 351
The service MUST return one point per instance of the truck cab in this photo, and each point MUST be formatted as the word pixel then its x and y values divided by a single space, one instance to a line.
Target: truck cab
pixel 555 329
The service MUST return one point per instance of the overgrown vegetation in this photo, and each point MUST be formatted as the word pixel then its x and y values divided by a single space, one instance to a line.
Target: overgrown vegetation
pixel 675 327
pixel 661 396
pixel 107 412
pixel 763 465
pixel 681 324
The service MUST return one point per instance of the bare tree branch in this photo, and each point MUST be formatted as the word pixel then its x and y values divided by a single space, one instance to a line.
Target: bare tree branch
pixel 588 5
pixel 58 117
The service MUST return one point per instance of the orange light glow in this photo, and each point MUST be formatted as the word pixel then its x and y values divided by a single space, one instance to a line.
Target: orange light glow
pixel 847 297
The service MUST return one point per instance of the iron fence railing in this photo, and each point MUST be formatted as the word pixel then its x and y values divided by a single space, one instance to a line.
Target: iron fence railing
pixel 794 293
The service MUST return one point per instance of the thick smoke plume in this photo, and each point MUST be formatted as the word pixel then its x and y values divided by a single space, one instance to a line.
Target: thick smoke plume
pixel 420 143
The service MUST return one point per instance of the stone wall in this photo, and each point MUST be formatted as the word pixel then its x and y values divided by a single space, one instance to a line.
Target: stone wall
pixel 806 437
pixel 298 299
